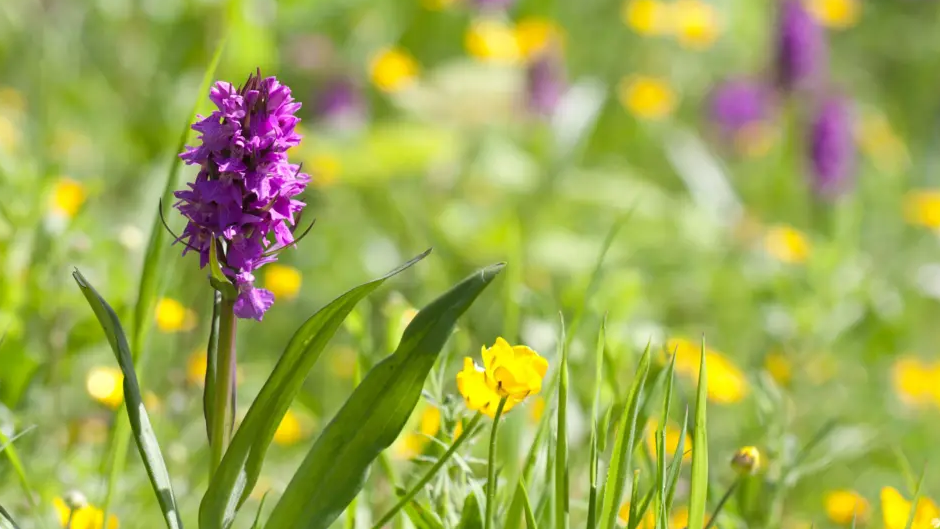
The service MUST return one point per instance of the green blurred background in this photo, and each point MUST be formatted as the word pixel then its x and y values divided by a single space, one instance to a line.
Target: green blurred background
pixel 420 132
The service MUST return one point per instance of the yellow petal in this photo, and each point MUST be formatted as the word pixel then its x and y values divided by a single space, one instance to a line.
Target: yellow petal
pixel 844 505
pixel 289 431
pixel 493 41
pixel 922 208
pixel 393 69
pixel 67 197
pixel 170 315
pixel 105 384
pixel 787 244
pixel 283 281
pixel 647 97
pixel 894 508
pixel 696 23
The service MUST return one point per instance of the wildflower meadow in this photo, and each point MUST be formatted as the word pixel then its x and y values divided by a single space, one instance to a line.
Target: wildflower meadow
pixel 469 264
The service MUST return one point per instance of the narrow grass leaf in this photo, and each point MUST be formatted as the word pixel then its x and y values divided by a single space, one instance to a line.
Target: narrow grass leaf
pixel 527 506
pixel 633 519
pixel 139 420
pixel 623 445
pixel 257 523
pixel 661 443
pixel 6 516
pixel 208 395
pixel 421 517
pixel 372 418
pixel 471 517
pixel 561 445
pixel 698 492
pixel 916 499
pixel 675 467
pixel 595 397
pixel 242 462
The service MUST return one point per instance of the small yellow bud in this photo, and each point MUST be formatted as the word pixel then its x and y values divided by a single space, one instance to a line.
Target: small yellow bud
pixel 746 461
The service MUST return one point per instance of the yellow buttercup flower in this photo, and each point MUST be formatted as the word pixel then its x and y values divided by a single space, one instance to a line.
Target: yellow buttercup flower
pixel 289 430
pixel 105 384
pixel 172 316
pixel 393 69
pixel 842 506
pixel 537 409
pixel 673 434
pixel 895 510
pixel 779 368
pixel 67 197
pixel 535 34
pixel 647 97
pixel 787 244
pixel 83 517
pixel 726 383
pixel 746 461
pixel 458 430
pixel 9 134
pixel 493 41
pixel 412 444
pixel 922 208
pixel 696 23
pixel 282 280
pixel 12 100
pixel 679 519
pixel 836 14
pixel 647 522
pixel 878 141
pixel 510 372
pixel 196 366
pixel 913 381
pixel 647 17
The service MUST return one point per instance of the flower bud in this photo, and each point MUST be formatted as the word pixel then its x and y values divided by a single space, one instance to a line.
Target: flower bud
pixel 75 500
pixel 746 461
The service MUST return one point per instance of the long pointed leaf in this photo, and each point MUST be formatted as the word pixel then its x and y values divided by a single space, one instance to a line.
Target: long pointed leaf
pixel 334 470
pixel 139 420
pixel 595 397
pixel 561 445
pixel 242 462
pixel 623 446
pixel 527 506
pixel 699 487
pixel 6 516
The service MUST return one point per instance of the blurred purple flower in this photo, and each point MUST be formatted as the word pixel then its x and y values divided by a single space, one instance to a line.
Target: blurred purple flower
pixel 801 46
pixel 245 187
pixel 341 103
pixel 545 83
pixel 738 103
pixel 832 147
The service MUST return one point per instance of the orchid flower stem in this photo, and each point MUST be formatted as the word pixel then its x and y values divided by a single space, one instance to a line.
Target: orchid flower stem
pixel 224 383
pixel 491 468
pixel 429 475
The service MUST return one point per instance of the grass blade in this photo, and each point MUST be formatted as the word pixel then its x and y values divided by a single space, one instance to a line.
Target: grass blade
pixel 257 523
pixel 6 516
pixel 699 486
pixel 561 445
pixel 623 446
pixel 149 288
pixel 676 466
pixel 526 506
pixel 208 393
pixel 241 465
pixel 372 418
pixel 139 420
pixel 917 493
pixel 595 397
pixel 661 444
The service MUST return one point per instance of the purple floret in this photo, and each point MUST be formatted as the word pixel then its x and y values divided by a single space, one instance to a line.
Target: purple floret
pixel 801 46
pixel 244 193
pixel 545 83
pixel 832 148
pixel 738 103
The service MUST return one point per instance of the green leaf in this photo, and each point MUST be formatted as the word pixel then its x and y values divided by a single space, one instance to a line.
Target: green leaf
pixel 595 397
pixel 917 493
pixel 527 506
pixel 140 422
pixel 421 517
pixel 333 472
pixel 149 287
pixel 257 522
pixel 471 517
pixel 561 444
pixel 661 477
pixel 6 516
pixel 634 519
pixel 242 462
pixel 208 393
pixel 676 466
pixel 699 487
pixel 623 446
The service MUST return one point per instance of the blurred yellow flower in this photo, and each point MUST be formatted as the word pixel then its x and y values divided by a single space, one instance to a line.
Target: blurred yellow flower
pixel 106 385
pixel 914 381
pixel 696 23
pixel 537 409
pixel 324 168
pixel 67 197
pixel 12 100
pixel 343 362
pixel 895 510
pixel 647 522
pixel 535 34
pixel 492 40
pixel 646 97
pixel 289 430
pixel 172 316
pixel 746 461
pixel 779 367
pixel 787 244
pixel 922 208
pixel 679 519
pixel 393 69
pixel 755 139
pixel 879 142
pixel 196 367
pixel 726 383
pixel 837 14
pixel 86 517
pixel 511 372
pixel 842 506
pixel 673 434
pixel 9 134
pixel 282 280
pixel 458 429
pixel 647 17
pixel 412 444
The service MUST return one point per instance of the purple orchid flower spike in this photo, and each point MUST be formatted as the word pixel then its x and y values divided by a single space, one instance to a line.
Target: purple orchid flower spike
pixel 801 47
pixel 832 148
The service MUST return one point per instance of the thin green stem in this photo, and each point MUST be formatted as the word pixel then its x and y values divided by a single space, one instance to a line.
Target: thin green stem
pixel 429 475
pixel 491 468
pixel 225 363
pixel 721 503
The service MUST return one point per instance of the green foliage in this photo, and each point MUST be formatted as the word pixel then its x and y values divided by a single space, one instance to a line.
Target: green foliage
pixel 699 486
